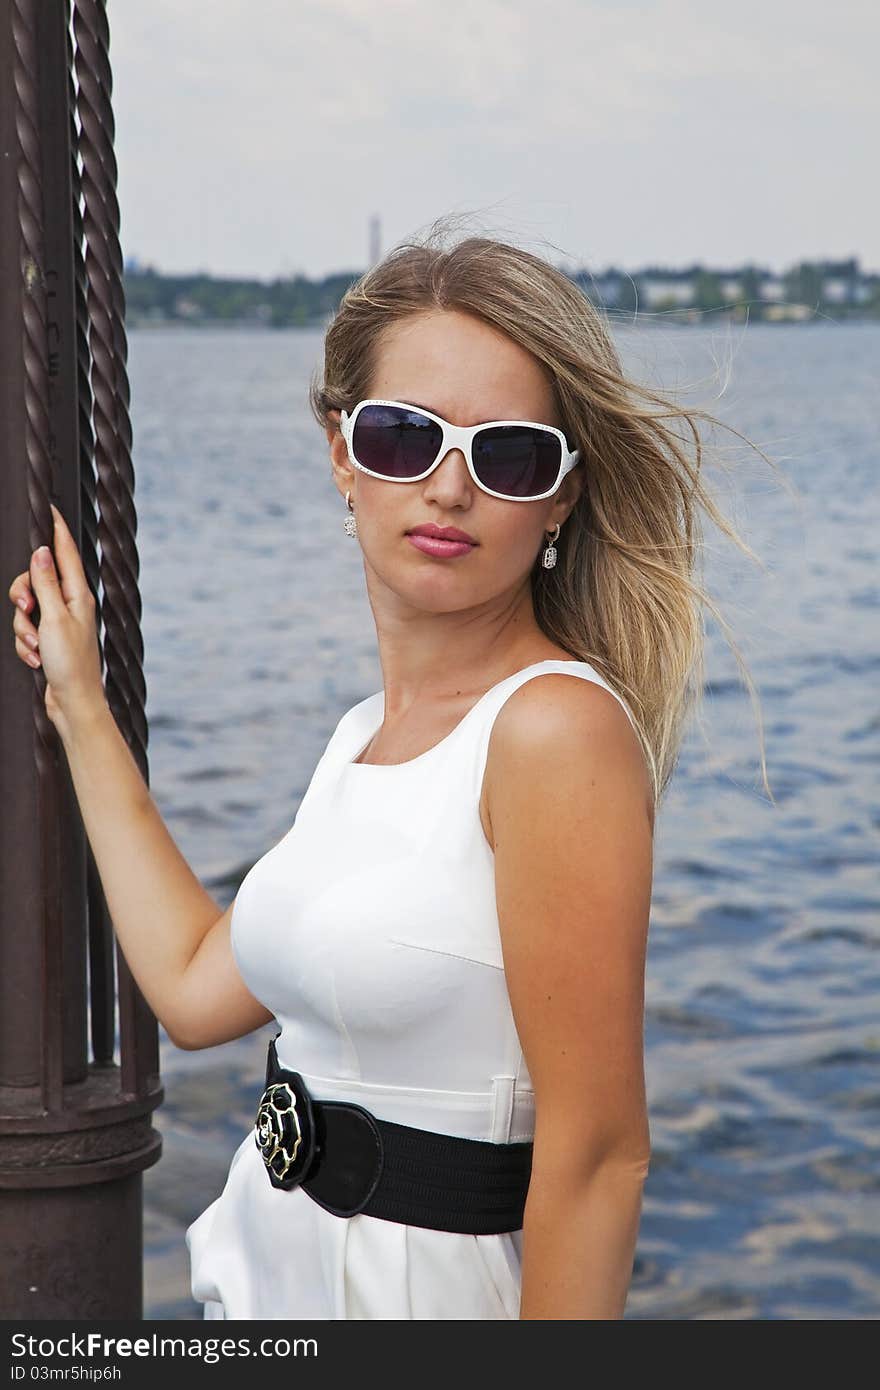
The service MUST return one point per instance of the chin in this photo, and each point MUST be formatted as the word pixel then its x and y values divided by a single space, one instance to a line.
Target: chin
pixel 430 601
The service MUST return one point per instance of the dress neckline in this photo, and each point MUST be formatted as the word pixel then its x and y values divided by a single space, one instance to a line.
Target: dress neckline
pixel 420 757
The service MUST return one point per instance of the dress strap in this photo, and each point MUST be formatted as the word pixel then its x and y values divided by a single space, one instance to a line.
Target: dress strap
pixel 496 697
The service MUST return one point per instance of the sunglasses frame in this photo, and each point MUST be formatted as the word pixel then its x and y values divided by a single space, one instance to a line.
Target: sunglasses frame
pixel 458 437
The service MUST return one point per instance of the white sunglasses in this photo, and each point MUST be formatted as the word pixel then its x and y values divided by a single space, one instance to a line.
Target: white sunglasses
pixel 516 460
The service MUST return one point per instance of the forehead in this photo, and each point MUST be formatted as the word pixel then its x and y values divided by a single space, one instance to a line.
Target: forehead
pixel 461 368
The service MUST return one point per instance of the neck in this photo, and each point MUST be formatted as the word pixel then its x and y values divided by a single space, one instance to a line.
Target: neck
pixel 429 658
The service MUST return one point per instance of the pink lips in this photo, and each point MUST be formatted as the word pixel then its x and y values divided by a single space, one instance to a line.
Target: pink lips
pixel 434 545
pixel 441 541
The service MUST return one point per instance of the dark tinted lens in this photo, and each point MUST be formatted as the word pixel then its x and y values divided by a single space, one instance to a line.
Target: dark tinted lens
pixel 518 460
pixel 395 442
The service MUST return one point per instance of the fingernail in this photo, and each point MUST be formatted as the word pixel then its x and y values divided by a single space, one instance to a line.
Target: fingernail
pixel 33 658
pixel 22 603
pixel 32 641
pixel 42 557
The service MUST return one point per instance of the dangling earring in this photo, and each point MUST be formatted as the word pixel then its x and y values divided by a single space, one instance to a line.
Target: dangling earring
pixel 549 558
pixel 350 524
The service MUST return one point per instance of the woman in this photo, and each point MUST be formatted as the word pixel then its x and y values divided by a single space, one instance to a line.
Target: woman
pixel 452 935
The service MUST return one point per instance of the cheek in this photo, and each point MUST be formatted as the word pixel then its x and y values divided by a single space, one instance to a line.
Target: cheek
pixel 516 531
pixel 385 509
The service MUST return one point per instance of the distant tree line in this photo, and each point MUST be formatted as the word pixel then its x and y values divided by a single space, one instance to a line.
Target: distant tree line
pixel 199 298
pixel 808 290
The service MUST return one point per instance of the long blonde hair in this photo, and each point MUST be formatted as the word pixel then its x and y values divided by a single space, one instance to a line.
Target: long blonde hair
pixel 623 595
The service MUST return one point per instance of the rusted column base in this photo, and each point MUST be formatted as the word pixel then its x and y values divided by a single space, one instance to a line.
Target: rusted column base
pixel 92 1264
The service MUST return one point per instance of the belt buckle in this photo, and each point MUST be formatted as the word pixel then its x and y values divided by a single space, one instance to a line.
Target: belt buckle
pixel 284 1130
pixel 333 1149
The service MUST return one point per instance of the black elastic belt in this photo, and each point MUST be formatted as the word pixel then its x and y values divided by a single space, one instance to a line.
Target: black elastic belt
pixel 348 1160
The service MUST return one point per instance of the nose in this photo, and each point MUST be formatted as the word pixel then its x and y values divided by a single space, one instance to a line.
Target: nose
pixel 450 482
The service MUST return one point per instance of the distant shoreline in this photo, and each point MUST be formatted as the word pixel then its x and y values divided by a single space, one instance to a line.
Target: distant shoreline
pixel 810 292
pixel 644 319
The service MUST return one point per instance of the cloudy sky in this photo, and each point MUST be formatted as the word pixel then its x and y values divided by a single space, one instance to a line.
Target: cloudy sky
pixel 259 136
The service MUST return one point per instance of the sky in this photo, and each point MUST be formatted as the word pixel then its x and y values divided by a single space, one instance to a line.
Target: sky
pixel 258 137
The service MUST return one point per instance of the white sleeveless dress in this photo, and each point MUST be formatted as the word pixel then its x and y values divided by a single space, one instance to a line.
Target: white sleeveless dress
pixel 370 930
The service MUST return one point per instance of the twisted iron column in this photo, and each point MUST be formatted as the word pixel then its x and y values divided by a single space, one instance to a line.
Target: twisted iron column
pixel 35 356
pixel 117 522
pixel 75 1135
pixel 102 973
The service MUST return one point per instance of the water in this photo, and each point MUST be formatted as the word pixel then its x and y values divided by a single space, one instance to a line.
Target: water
pixel 763 1033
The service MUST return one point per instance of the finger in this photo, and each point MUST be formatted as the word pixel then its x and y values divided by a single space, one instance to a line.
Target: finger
pixel 32 658
pixel 24 628
pixel 74 584
pixel 20 592
pixel 44 578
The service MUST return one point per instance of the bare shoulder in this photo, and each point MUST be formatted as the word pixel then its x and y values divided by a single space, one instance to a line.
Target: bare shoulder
pixel 573 731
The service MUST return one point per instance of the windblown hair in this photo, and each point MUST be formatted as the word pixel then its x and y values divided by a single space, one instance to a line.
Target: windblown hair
pixel 623 595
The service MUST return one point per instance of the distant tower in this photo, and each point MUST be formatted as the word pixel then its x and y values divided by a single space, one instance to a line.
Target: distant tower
pixel 375 239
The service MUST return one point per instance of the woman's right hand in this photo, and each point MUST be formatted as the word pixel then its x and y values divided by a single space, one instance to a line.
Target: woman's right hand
pixel 65 643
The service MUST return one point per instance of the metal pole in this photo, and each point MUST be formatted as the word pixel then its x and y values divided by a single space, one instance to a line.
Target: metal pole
pixel 75 1132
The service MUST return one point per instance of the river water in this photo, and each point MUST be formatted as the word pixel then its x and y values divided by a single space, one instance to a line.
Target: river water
pixel 762 1020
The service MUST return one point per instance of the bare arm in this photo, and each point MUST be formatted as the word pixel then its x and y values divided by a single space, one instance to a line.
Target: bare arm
pixel 569 805
pixel 173 934
pixel 174 938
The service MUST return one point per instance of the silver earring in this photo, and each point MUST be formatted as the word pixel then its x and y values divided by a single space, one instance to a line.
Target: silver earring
pixel 549 559
pixel 350 524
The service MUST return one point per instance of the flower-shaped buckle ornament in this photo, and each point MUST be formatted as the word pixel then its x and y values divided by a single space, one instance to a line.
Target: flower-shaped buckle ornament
pixel 284 1130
